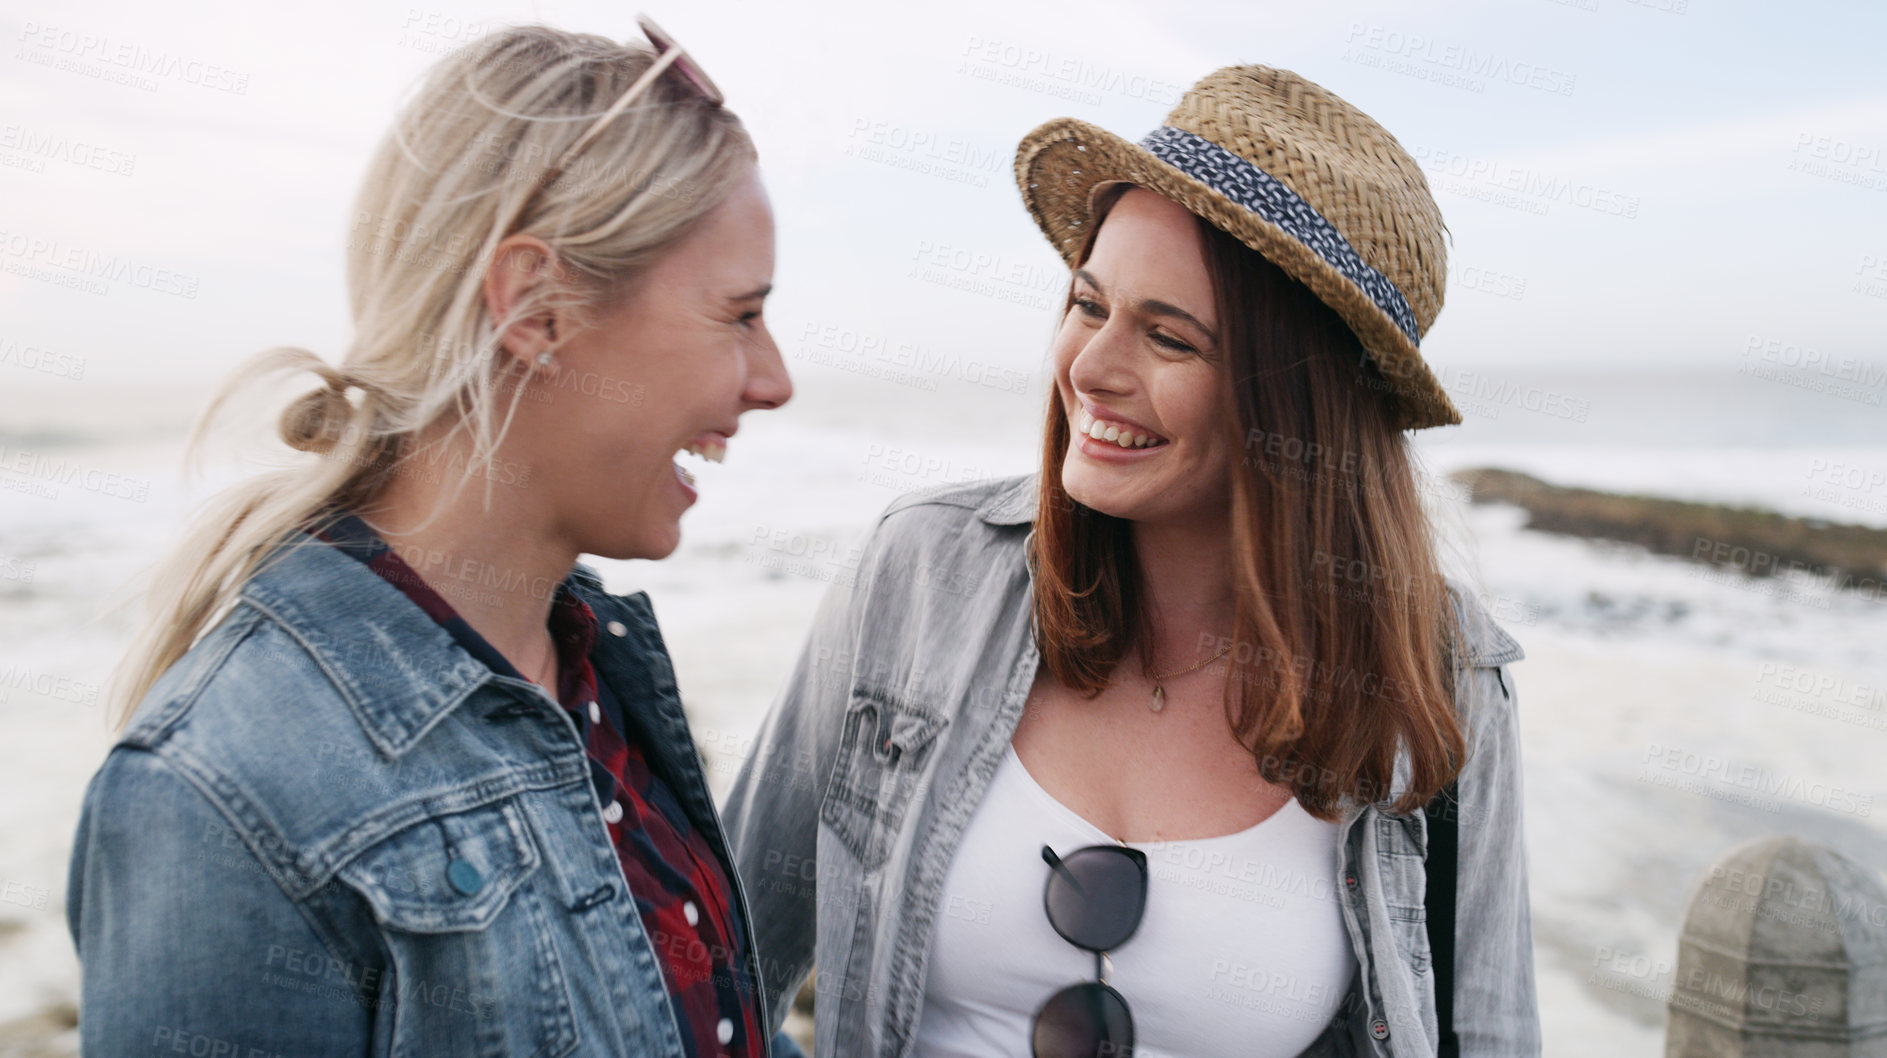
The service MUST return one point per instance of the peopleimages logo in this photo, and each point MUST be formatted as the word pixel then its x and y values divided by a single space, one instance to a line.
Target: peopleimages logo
pixel 1458 59
pixel 78 50
pixel 85 265
pixel 1531 190
pixel 36 146
pixel 1710 775
pixel 1058 73
pixel 847 348
pixel 1833 158
pixel 1805 367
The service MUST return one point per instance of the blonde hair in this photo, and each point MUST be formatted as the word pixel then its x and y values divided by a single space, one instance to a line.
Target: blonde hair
pixel 473 158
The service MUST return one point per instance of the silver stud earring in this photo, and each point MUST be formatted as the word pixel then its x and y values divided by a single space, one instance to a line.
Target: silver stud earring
pixel 543 359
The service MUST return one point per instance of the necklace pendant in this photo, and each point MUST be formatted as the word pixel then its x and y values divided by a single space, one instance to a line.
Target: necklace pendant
pixel 1159 698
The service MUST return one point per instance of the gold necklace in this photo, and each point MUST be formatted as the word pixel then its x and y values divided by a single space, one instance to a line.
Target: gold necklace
pixel 1159 692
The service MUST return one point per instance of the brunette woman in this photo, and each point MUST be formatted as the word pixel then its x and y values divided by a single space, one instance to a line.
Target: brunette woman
pixel 1130 755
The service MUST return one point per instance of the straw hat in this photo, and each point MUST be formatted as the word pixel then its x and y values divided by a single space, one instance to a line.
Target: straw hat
pixel 1304 178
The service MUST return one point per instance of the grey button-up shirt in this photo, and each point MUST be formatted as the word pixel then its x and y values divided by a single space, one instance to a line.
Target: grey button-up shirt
pixel 864 775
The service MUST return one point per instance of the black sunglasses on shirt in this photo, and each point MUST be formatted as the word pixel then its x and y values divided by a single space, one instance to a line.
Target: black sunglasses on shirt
pixel 1095 897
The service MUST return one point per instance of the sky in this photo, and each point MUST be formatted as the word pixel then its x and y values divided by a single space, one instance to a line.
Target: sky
pixel 1658 184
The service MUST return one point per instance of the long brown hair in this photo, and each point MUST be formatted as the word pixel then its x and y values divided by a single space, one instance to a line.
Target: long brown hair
pixel 1341 646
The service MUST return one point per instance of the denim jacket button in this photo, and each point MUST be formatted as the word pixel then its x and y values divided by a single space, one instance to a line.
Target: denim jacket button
pixel 617 628
pixel 1379 1029
pixel 464 877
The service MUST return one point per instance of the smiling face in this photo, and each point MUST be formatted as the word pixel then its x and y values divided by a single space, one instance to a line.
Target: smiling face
pixel 1137 370
pixel 669 367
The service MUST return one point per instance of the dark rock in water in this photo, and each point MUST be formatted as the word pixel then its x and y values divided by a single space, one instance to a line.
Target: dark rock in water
pixel 1753 541
pixel 1783 952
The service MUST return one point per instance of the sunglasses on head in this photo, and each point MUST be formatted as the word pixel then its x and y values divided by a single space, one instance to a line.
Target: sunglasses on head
pixel 683 63
pixel 1095 897
pixel 671 59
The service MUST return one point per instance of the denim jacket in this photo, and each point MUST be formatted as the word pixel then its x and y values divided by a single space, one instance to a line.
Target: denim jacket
pixel 865 773
pixel 328 829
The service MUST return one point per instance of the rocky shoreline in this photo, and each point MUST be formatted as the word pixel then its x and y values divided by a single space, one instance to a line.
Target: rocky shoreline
pixel 1753 540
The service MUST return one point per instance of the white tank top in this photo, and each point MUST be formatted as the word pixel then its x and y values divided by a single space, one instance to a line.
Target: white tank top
pixel 1242 949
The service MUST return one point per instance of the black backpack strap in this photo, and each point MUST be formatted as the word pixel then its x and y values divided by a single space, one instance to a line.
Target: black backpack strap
pixel 1443 837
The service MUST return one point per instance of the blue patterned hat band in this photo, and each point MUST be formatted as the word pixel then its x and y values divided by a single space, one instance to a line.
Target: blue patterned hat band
pixel 1268 198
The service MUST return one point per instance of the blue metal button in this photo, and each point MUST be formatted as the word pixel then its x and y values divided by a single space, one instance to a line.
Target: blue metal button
pixel 464 877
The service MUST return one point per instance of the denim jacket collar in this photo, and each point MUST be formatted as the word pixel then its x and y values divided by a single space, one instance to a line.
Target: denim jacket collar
pixel 399 676
pixel 1014 505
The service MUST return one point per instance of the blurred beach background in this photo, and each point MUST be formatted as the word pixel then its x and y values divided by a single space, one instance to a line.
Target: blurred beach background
pixel 1664 281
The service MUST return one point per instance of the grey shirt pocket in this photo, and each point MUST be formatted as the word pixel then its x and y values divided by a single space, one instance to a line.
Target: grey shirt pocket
pixel 883 749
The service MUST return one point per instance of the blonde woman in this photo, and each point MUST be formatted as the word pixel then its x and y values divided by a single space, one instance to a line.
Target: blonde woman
pixel 1130 755
pixel 401 777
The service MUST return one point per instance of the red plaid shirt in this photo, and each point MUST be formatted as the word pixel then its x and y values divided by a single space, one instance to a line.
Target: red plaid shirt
pixel 682 892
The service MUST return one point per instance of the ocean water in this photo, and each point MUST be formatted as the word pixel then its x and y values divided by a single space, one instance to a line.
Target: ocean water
pixel 1637 665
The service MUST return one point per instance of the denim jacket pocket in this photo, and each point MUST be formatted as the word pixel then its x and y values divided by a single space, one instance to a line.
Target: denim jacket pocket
pixel 461 911
pixel 446 873
pixel 1402 858
pixel 882 751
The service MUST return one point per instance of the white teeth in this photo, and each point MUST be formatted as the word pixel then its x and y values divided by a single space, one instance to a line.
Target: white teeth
pixel 712 453
pixel 1123 436
pixel 682 472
